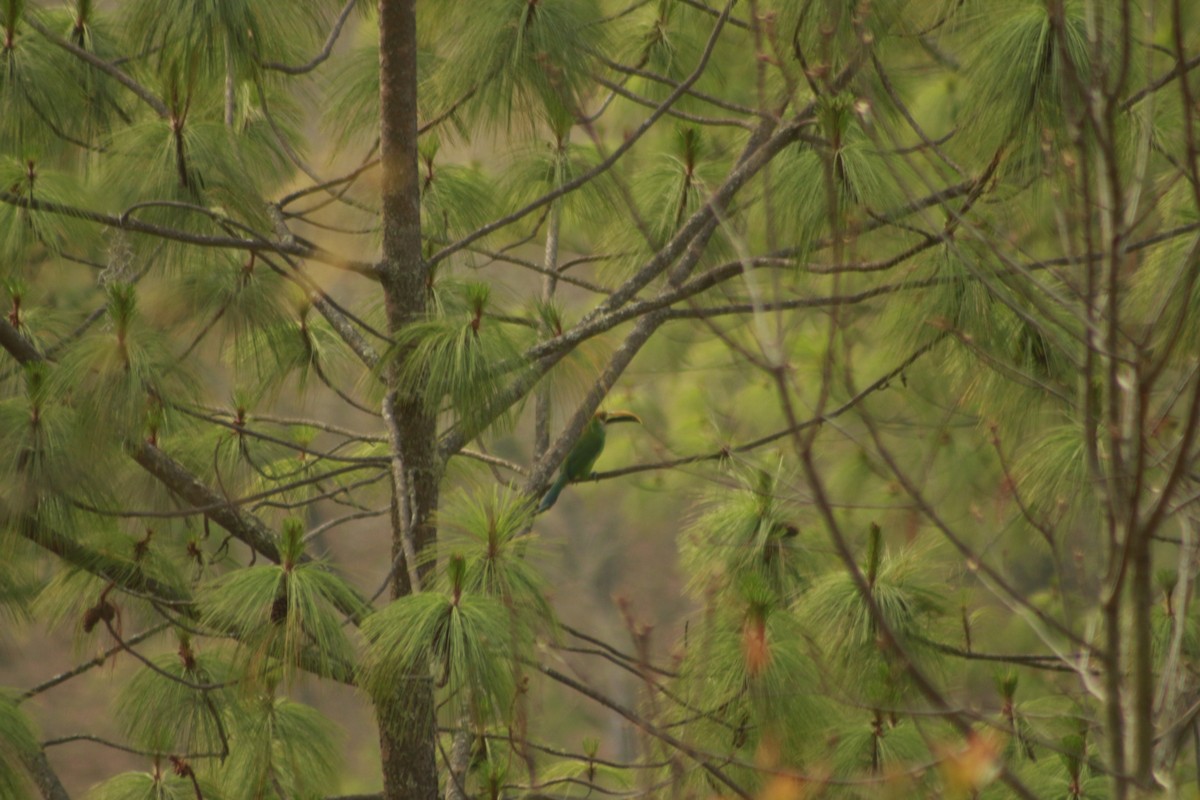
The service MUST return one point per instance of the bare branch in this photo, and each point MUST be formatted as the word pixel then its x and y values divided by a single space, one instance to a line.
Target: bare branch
pixel 326 50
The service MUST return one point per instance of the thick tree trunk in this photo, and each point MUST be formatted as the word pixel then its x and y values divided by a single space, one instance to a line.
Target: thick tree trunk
pixel 407 728
pixel 1141 598
pixel 1114 716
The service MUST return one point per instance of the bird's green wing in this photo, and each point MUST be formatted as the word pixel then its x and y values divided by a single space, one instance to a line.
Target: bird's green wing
pixel 583 455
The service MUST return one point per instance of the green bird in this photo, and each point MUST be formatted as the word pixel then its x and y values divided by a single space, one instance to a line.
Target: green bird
pixel 583 455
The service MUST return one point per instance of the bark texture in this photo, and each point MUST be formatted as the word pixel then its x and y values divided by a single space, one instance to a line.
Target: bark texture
pixel 406 715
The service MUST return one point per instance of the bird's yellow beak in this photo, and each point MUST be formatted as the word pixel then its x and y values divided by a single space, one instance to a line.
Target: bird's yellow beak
pixel 620 416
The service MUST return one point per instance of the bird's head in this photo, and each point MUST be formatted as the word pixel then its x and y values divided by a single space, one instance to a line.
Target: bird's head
pixel 609 417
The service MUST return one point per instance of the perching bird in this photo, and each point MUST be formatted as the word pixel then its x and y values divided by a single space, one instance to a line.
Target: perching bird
pixel 583 455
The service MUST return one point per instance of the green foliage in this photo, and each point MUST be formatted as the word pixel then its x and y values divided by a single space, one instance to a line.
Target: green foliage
pixel 1001 336
pixel 177 705
pixel 1025 75
pixel 279 749
pixel 1049 476
pixel 906 597
pixel 30 89
pixel 543 166
pixel 118 376
pixel 18 743
pixel 517 57
pixel 743 533
pixel 79 597
pixel 489 530
pixel 354 95
pixel 16 590
pixel 1169 624
pixel 1165 289
pixel 660 37
pixel 468 640
pixel 195 161
pixel 241 296
pixel 844 186
pixel 284 614
pixel 671 188
pixel 455 200
pixel 748 679
pixel 37 443
pixel 592 774
pixel 183 34
pixel 89 103
pixel 464 356
pixel 943 284
pixel 161 784
pixel 874 742
pixel 22 229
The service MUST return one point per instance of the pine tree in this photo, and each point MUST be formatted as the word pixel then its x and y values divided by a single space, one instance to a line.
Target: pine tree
pixel 905 295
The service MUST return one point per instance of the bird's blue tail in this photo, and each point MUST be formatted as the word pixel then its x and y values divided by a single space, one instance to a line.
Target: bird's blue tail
pixel 550 497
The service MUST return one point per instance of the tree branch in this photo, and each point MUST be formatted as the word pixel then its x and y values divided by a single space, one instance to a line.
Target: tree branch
pixel 326 50
pixel 114 72
pixel 607 163
pixel 133 225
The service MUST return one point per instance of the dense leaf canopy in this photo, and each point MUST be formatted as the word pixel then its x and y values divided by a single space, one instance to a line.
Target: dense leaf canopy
pixel 308 303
